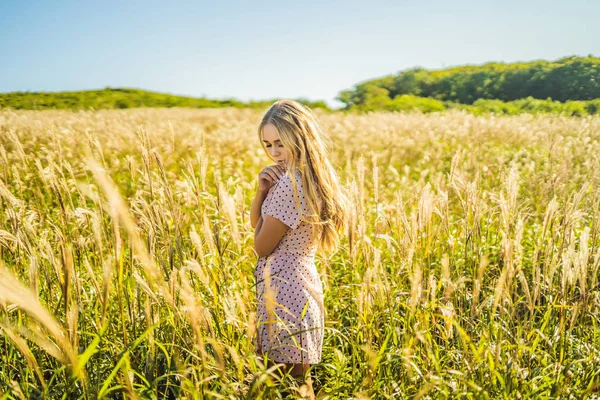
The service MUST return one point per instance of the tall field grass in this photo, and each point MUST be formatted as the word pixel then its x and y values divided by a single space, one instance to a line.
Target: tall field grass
pixel 470 269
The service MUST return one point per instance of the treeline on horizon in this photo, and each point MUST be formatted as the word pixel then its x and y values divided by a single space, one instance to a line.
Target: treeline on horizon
pixel 570 85
pixel 122 98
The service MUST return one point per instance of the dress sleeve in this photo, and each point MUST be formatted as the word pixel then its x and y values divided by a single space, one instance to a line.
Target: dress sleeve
pixel 282 205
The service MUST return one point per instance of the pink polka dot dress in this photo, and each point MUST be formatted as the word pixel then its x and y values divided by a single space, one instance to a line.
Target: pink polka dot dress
pixel 290 310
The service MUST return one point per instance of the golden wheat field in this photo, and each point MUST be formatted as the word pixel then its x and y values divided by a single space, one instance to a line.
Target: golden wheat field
pixel 470 268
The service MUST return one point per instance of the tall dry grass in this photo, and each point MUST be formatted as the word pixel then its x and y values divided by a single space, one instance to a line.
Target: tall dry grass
pixel 470 268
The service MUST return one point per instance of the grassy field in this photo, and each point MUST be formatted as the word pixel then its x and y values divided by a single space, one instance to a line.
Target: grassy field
pixel 470 269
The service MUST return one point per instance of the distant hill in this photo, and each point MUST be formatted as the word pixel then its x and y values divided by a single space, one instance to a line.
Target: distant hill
pixel 122 98
pixel 570 85
pixel 566 79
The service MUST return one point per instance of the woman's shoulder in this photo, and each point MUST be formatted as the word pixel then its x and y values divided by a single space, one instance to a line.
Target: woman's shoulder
pixel 286 180
pixel 285 188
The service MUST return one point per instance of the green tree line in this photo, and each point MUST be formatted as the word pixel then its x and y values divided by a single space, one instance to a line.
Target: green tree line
pixel 123 98
pixel 563 80
pixel 529 105
pixel 570 85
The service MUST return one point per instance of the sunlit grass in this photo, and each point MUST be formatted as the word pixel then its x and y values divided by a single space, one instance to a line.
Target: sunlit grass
pixel 470 267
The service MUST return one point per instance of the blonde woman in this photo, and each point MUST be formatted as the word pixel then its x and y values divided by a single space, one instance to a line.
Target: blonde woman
pixel 299 208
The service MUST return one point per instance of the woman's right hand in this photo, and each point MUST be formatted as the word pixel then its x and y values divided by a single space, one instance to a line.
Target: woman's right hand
pixel 269 176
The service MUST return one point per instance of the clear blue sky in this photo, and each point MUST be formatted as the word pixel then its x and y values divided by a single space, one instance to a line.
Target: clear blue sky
pixel 274 49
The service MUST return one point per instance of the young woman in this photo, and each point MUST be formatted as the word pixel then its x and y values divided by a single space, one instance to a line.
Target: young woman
pixel 299 207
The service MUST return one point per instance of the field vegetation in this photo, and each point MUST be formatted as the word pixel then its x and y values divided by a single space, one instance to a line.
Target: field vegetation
pixel 470 268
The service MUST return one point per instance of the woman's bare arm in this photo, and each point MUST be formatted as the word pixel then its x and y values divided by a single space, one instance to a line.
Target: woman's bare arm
pixel 268 234
pixel 255 208
pixel 266 179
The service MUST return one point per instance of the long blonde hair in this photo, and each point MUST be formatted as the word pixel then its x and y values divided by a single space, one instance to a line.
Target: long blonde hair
pixel 301 135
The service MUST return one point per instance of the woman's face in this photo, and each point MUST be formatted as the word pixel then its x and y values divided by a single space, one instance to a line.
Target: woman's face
pixel 274 145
